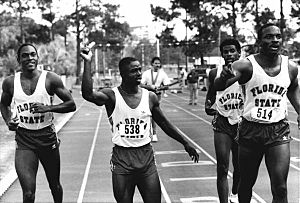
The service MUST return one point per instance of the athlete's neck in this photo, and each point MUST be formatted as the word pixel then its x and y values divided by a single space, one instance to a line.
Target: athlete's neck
pixel 129 90
pixel 30 74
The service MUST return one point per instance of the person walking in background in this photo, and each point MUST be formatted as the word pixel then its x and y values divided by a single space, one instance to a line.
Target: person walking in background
pixel 227 112
pixel 129 109
pixel 269 80
pixel 31 91
pixel 155 80
pixel 193 84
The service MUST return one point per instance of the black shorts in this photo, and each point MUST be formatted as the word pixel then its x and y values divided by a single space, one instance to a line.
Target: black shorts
pixel 133 160
pixel 37 139
pixel 221 124
pixel 253 134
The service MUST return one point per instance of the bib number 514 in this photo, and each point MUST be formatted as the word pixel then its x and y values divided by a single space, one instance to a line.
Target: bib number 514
pixel 264 113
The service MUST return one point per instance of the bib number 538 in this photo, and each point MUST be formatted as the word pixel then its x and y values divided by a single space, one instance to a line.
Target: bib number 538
pixel 131 129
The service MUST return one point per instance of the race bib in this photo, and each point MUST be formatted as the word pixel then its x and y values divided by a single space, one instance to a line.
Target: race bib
pixel 266 114
pixel 130 129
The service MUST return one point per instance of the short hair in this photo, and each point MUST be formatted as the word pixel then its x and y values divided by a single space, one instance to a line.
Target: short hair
pixel 124 62
pixel 154 59
pixel 260 31
pixel 230 41
pixel 20 48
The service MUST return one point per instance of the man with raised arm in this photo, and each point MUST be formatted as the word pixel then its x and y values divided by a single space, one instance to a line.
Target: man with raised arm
pixel 130 109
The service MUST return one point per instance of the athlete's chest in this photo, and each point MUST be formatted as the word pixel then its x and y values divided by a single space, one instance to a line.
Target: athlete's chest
pixel 273 71
pixel 29 85
pixel 132 101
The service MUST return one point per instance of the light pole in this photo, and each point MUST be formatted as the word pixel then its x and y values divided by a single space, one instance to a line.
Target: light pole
pixel 186 41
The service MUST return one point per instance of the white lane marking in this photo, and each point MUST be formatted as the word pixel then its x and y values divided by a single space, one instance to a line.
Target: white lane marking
pixel 204 199
pixel 295 167
pixel 164 192
pixel 88 165
pixel 78 131
pixel 206 153
pixel 193 178
pixel 170 152
pixel 296 139
pixel 295 159
pixel 186 163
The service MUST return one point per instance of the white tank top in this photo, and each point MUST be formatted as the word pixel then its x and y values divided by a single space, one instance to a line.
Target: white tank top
pixel 131 127
pixel 22 103
pixel 229 103
pixel 265 99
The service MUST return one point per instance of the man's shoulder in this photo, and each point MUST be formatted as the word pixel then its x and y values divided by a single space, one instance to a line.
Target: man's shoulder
pixel 293 69
pixel 9 80
pixel 242 63
pixel 51 75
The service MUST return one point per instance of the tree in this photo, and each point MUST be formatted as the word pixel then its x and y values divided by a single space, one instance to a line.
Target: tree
pixel 46 8
pixel 82 19
pixel 200 17
pixel 8 32
pixel 96 22
pixel 295 12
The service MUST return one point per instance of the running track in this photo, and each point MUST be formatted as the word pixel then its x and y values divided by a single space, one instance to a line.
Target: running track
pixel 86 147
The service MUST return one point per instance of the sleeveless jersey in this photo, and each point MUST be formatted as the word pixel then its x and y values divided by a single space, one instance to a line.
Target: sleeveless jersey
pixel 229 103
pixel 23 102
pixel 131 127
pixel 265 96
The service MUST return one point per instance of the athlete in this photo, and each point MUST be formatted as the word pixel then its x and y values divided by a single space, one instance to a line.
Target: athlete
pixel 156 80
pixel 269 80
pixel 130 109
pixel 31 92
pixel 227 111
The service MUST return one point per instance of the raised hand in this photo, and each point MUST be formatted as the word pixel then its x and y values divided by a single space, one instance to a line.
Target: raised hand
pixel 86 53
pixel 227 72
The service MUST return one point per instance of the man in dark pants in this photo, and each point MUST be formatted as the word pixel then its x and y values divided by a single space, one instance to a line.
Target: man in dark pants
pixel 193 85
pixel 130 109
pixel 269 80
pixel 31 91
pixel 229 104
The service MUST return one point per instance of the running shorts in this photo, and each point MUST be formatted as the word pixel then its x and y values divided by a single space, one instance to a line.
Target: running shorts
pixel 253 134
pixel 221 124
pixel 133 160
pixel 37 139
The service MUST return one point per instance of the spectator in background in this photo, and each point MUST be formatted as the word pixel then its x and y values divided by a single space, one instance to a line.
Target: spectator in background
pixel 155 80
pixel 193 84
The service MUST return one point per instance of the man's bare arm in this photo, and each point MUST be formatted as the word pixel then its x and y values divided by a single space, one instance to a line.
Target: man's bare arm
pixel 211 93
pixel 293 93
pixel 99 98
pixel 171 130
pixel 6 99
pixel 55 86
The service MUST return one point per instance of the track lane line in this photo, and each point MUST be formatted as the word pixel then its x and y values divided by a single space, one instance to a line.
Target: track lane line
pixel 88 165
